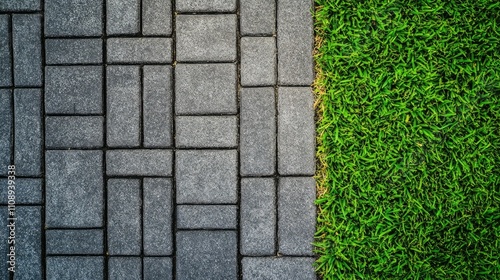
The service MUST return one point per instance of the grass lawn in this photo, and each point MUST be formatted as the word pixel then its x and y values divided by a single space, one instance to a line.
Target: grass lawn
pixel 409 139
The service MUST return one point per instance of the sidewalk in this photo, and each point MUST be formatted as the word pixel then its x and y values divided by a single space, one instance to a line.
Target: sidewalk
pixel 158 140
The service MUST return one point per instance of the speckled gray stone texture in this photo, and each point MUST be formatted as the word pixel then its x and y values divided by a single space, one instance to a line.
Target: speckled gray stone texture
pixel 257 17
pixel 206 6
pixel 6 120
pixel 157 216
pixel 258 61
pixel 283 268
pixel 74 132
pixel 5 55
pixel 73 17
pixel 125 268
pixel 73 51
pixel 139 50
pixel 28 242
pixel 27 49
pixel 75 267
pixel 123 17
pixel 206 131
pixel 206 216
pixel 158 268
pixel 139 162
pixel 69 241
pixel 28 191
pixel 157 17
pixel 19 5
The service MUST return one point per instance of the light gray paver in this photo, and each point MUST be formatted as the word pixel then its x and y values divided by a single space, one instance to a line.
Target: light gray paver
pixel 28 132
pixel 157 217
pixel 206 176
pixel 122 17
pixel 295 42
pixel 257 17
pixel 123 124
pixel 297 215
pixel 124 217
pixel 5 129
pixel 74 132
pixel 73 90
pixel 296 131
pixel 139 50
pixel 206 6
pixel 157 268
pixel 206 37
pixel 139 162
pixel 157 17
pixel 73 51
pixel 73 17
pixel 28 242
pixel 27 41
pixel 206 255
pixel 278 268
pixel 258 61
pixel 81 241
pixel 206 216
pixel 258 216
pixel 82 268
pixel 5 55
pixel 19 5
pixel 74 189
pixel 125 268
pixel 157 104
pixel 205 89
pixel 206 131
pixel 28 191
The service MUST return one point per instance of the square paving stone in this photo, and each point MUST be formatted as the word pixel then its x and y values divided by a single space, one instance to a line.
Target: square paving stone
pixel 206 176
pixel 206 131
pixel 206 255
pixel 157 17
pixel 73 90
pixel 73 51
pixel 125 268
pixel 206 6
pixel 81 268
pixel 139 50
pixel 258 61
pixel 28 242
pixel 139 162
pixel 74 132
pixel 28 191
pixel 206 216
pixel 27 49
pixel 157 268
pixel 19 5
pixel 6 119
pixel 257 17
pixel 206 37
pixel 273 268
pixel 205 89
pixel 73 17
pixel 5 55
pixel 157 216
pixel 81 241
pixel 123 17
pixel 74 186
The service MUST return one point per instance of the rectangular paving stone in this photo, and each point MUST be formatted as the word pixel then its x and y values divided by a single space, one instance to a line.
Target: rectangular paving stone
pixel 258 61
pixel 257 17
pixel 258 216
pixel 157 106
pixel 257 131
pixel 82 268
pixel 4 246
pixel 28 132
pixel 296 215
pixel 27 42
pixel 296 131
pixel 6 124
pixel 158 268
pixel 73 51
pixel 28 191
pixel 73 17
pixel 74 132
pixel 5 55
pixel 157 216
pixel 28 242
pixel 206 131
pixel 139 162
pixel 19 5
pixel 74 189
pixel 139 50
pixel 206 176
pixel 206 37
pixel 283 268
pixel 209 255
pixel 122 17
pixel 295 42
pixel 206 6
pixel 157 17
pixel 206 216
pixel 81 241
pixel 124 217
pixel 205 89
pixel 123 119
pixel 73 90
pixel 125 268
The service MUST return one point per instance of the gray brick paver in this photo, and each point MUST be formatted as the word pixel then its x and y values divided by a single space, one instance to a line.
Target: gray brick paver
pixel 157 217
pixel 122 17
pixel 139 50
pixel 73 51
pixel 74 132
pixel 81 241
pixel 29 242
pixel 125 268
pixel 157 268
pixel 19 5
pixel 157 17
pixel 139 162
pixel 75 267
pixel 27 49
pixel 206 216
pixel 258 61
pixel 73 17
pixel 282 268
pixel 257 17
pixel 28 191
pixel 206 6
pixel 5 55
pixel 6 120
pixel 206 131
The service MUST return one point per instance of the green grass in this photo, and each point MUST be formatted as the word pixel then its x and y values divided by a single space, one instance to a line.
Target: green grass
pixel 409 139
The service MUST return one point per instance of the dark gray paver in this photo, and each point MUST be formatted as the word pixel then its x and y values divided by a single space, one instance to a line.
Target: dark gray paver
pixel 296 131
pixel 123 123
pixel 81 268
pixel 74 189
pixel 258 216
pixel 157 106
pixel 206 6
pixel 284 268
pixel 206 37
pixel 139 50
pixel 73 51
pixel 28 191
pixel 124 217
pixel 27 42
pixel 295 42
pixel 205 89
pixel 157 268
pixel 206 176
pixel 297 215
pixel 73 89
pixel 257 17
pixel 4 246
pixel 258 61
pixel 157 216
pixel 28 242
pixel 5 130
pixel 73 17
pixel 122 17
pixel 157 17
pixel 257 131
pixel 206 216
pixel 19 5
pixel 28 132
pixel 206 131
pixel 206 255
pixel 139 162
pixel 74 132
pixel 81 241
pixel 125 268
pixel 5 55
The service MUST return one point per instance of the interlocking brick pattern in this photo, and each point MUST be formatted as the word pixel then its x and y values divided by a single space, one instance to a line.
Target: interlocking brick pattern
pixel 158 139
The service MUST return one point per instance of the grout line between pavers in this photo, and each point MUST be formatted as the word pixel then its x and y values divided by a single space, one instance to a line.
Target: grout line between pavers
pixel 104 92
pixel 276 123
pixel 174 144
pixel 141 193
pixel 239 268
